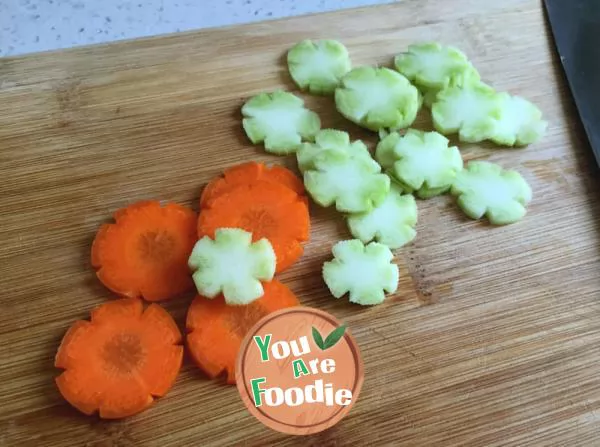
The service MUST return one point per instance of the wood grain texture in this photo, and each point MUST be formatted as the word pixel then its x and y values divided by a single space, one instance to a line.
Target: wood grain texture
pixel 493 338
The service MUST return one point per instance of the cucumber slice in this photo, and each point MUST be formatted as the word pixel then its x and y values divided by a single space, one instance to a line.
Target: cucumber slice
pixel 318 66
pixel 365 272
pixel 280 120
pixel 385 153
pixel 520 122
pixel 429 96
pixel 377 98
pixel 392 223
pixel 386 157
pixel 233 265
pixel 382 133
pixel 473 111
pixel 427 193
pixel 422 162
pixel 330 139
pixel 354 185
pixel 485 189
pixel 433 66
pixel 422 193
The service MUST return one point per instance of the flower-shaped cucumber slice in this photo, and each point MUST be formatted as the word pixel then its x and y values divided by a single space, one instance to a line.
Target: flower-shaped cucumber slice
pixel 318 66
pixel 392 223
pixel 330 139
pixel 377 98
pixel 233 265
pixel 280 121
pixel 421 162
pixel 366 273
pixel 354 185
pixel 431 65
pixel 472 111
pixel 429 96
pixel 485 189
pixel 520 122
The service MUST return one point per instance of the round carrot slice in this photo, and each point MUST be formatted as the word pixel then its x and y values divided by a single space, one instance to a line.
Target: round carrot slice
pixel 216 330
pixel 145 252
pixel 122 212
pixel 120 361
pixel 249 173
pixel 267 210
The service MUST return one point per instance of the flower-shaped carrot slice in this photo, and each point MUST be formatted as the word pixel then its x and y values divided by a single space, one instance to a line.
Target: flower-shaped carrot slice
pixel 249 173
pixel 117 363
pixel 216 330
pixel 145 252
pixel 267 210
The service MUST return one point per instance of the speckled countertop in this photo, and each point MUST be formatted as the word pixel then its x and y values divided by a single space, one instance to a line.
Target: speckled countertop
pixel 28 26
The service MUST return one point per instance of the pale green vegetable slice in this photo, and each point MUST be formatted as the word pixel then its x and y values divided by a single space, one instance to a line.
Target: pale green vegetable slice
pixel 385 152
pixel 520 122
pixel 318 66
pixel 377 98
pixel 354 185
pixel 383 133
pixel 473 111
pixel 485 189
pixel 280 121
pixel 392 223
pixel 434 66
pixel 425 192
pixel 330 139
pixel 386 157
pixel 366 273
pixel 429 96
pixel 422 162
pixel 233 265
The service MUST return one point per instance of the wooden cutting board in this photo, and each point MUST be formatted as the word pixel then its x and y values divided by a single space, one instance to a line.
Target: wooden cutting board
pixel 494 335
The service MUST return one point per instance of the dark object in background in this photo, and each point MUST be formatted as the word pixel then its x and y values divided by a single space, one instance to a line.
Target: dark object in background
pixel 576 28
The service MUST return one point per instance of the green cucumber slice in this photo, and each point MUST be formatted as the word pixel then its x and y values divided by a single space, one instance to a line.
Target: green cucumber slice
pixel 318 66
pixel 365 272
pixel 354 185
pixel 485 189
pixel 472 111
pixel 280 121
pixel 330 139
pixel 392 223
pixel 377 98
pixel 520 122
pixel 429 96
pixel 422 162
pixel 233 265
pixel 433 66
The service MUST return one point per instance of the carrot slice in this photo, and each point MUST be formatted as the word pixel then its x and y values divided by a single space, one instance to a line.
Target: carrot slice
pixel 248 173
pixel 117 363
pixel 216 330
pixel 145 253
pixel 267 210
pixel 132 207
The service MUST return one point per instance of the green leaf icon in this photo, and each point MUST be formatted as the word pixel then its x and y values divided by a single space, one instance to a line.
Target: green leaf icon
pixel 334 337
pixel 317 338
pixel 331 339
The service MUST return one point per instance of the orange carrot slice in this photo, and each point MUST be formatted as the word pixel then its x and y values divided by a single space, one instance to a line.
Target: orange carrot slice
pixel 145 253
pixel 216 330
pixel 117 363
pixel 248 173
pixel 267 210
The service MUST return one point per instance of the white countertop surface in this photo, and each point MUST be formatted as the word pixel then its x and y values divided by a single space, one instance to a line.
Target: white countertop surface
pixel 28 26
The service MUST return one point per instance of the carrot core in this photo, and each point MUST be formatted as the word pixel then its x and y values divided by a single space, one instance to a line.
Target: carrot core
pixel 123 353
